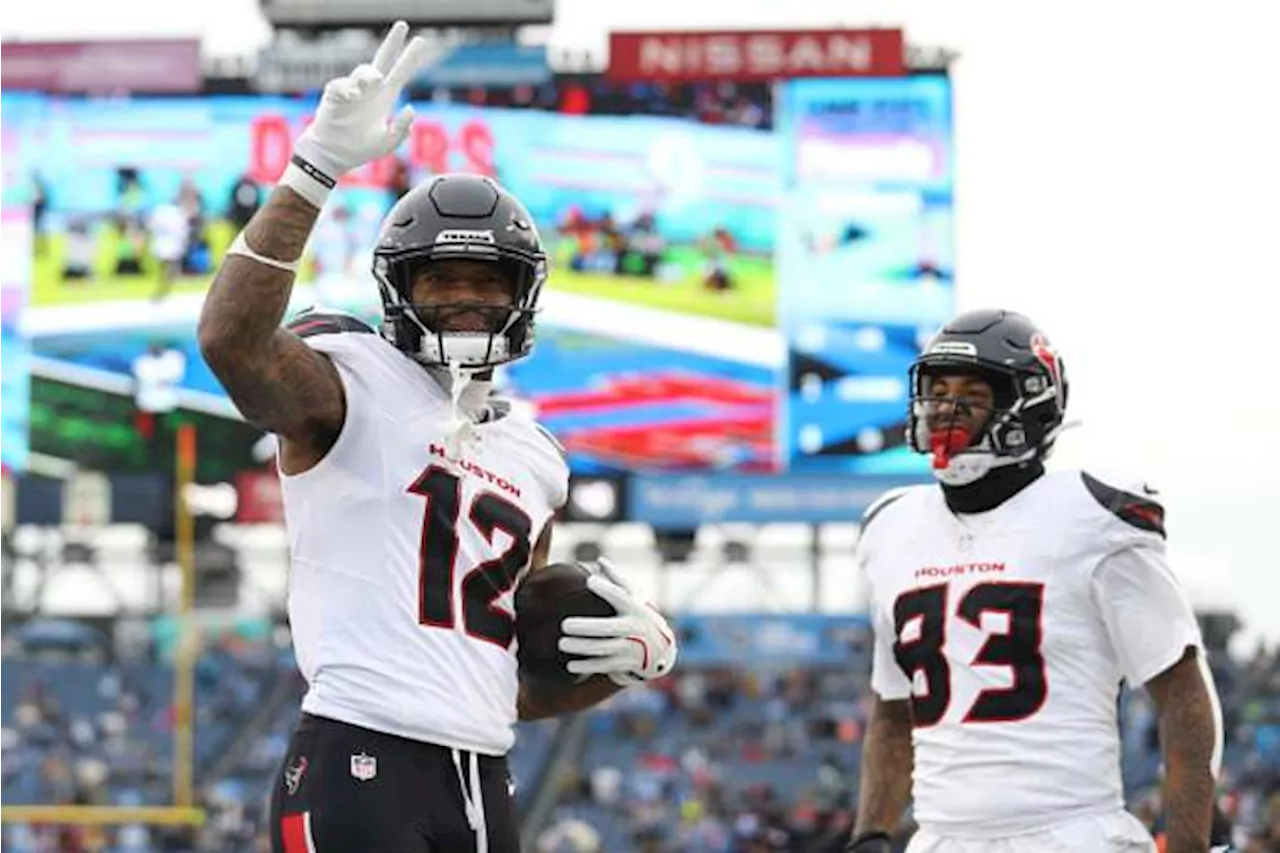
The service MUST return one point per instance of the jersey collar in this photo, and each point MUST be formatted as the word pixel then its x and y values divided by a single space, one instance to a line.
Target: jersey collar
pixel 995 488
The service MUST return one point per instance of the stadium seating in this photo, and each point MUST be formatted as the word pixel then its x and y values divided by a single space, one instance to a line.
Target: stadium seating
pixel 723 755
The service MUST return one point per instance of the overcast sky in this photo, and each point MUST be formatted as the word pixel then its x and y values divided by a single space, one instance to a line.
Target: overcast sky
pixel 1118 178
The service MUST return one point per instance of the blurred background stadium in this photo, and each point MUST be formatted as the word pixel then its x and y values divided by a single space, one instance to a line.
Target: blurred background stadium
pixel 755 221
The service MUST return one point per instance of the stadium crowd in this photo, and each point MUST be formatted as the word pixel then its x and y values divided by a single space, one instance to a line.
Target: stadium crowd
pixel 735 761
pixel 723 759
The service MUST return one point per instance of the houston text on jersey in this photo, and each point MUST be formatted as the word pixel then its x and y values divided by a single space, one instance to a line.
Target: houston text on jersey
pixel 472 468
pixel 959 570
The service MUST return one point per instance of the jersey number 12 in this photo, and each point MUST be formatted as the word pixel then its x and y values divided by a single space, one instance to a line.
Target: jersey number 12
pixel 438 554
pixel 1017 649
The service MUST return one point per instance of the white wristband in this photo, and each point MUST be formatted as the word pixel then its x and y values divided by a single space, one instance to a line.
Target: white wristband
pixel 308 181
pixel 240 246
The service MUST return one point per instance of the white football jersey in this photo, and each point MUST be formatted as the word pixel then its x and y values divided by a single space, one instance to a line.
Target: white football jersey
pixel 1010 632
pixel 404 557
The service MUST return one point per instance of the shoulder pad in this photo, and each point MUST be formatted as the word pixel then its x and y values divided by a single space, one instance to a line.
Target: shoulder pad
pixel 881 503
pixel 555 442
pixel 310 323
pixel 1142 511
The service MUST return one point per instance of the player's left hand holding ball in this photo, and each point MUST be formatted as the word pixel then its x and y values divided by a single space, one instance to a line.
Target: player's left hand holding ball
pixel 634 646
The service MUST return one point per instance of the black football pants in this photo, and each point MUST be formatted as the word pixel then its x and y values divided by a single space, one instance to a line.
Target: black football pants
pixel 345 789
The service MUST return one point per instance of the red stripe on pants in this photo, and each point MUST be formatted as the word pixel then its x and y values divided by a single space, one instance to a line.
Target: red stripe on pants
pixel 293 829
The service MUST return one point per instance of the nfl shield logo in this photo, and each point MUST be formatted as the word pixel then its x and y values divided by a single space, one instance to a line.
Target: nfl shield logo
pixel 364 767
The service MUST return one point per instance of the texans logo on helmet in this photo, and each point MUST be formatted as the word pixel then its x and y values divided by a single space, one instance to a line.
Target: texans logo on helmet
pixel 1048 356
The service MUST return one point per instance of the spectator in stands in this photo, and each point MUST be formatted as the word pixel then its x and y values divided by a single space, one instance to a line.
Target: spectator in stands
pixel 743 104
pixel 569 836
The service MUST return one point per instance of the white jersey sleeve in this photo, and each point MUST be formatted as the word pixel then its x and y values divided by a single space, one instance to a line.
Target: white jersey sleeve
pixel 1148 617
pixel 340 337
pixel 887 678
pixel 557 479
pixel 345 341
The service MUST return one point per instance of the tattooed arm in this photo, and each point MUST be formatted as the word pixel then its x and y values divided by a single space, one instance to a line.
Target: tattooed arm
pixel 887 763
pixel 279 383
pixel 1188 739
pixel 537 700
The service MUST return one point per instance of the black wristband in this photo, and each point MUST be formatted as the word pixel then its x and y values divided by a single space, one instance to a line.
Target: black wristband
pixel 320 177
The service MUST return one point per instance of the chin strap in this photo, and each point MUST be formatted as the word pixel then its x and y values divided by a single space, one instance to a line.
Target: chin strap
pixel 467 396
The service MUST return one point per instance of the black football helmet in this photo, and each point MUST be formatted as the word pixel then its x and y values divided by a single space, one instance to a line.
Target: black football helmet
pixel 1027 375
pixel 459 216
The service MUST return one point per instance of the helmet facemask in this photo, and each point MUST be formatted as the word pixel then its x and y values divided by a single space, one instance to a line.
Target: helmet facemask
pixel 1020 425
pixel 504 333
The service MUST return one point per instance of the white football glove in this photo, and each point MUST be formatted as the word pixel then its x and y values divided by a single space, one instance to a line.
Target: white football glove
pixel 353 124
pixel 634 646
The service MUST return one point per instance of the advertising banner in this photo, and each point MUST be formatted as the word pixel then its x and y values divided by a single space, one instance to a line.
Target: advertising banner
pixel 684 501
pixel 103 67
pixel 754 55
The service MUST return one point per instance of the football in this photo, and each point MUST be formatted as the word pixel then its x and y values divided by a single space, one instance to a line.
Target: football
pixel 543 599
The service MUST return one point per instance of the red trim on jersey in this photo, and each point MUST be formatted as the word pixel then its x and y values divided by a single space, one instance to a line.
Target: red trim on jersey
pixel 1150 512
pixel 308 325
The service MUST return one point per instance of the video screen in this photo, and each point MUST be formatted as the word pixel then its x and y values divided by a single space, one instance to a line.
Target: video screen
pixel 866 263
pixel 15 276
pixel 666 341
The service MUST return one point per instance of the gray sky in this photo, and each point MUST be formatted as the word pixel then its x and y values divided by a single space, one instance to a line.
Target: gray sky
pixel 1117 178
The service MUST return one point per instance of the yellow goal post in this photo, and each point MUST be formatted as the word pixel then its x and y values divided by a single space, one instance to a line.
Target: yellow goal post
pixel 183 811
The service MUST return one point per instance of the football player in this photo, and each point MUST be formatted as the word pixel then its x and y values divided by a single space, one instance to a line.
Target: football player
pixel 415 498
pixel 1008 604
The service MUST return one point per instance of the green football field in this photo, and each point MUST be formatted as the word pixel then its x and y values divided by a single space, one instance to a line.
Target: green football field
pixel 750 301
pixel 49 288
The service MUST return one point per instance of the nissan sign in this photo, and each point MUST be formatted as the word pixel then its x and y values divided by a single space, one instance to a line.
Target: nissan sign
pixel 755 55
